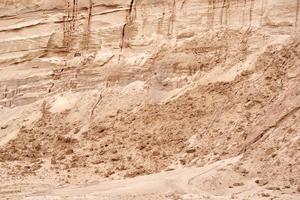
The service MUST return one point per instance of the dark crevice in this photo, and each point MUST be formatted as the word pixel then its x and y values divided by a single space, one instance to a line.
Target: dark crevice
pixel 123 36
pixel 130 17
pixel 130 10
pixel 183 4
pixel 211 13
pixel 86 40
pixel 70 18
pixel 222 12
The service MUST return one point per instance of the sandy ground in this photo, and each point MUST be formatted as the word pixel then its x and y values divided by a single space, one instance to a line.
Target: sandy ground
pixel 215 181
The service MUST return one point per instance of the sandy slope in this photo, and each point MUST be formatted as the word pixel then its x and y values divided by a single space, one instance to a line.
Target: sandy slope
pixel 149 100
pixel 255 115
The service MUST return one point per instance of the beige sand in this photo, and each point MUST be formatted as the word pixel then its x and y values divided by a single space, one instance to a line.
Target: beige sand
pixel 149 99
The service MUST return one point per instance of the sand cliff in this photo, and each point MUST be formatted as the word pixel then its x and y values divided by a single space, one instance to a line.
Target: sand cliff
pixel 200 97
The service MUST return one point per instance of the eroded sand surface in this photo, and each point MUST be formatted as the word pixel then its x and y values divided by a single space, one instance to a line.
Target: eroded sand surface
pixel 149 99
